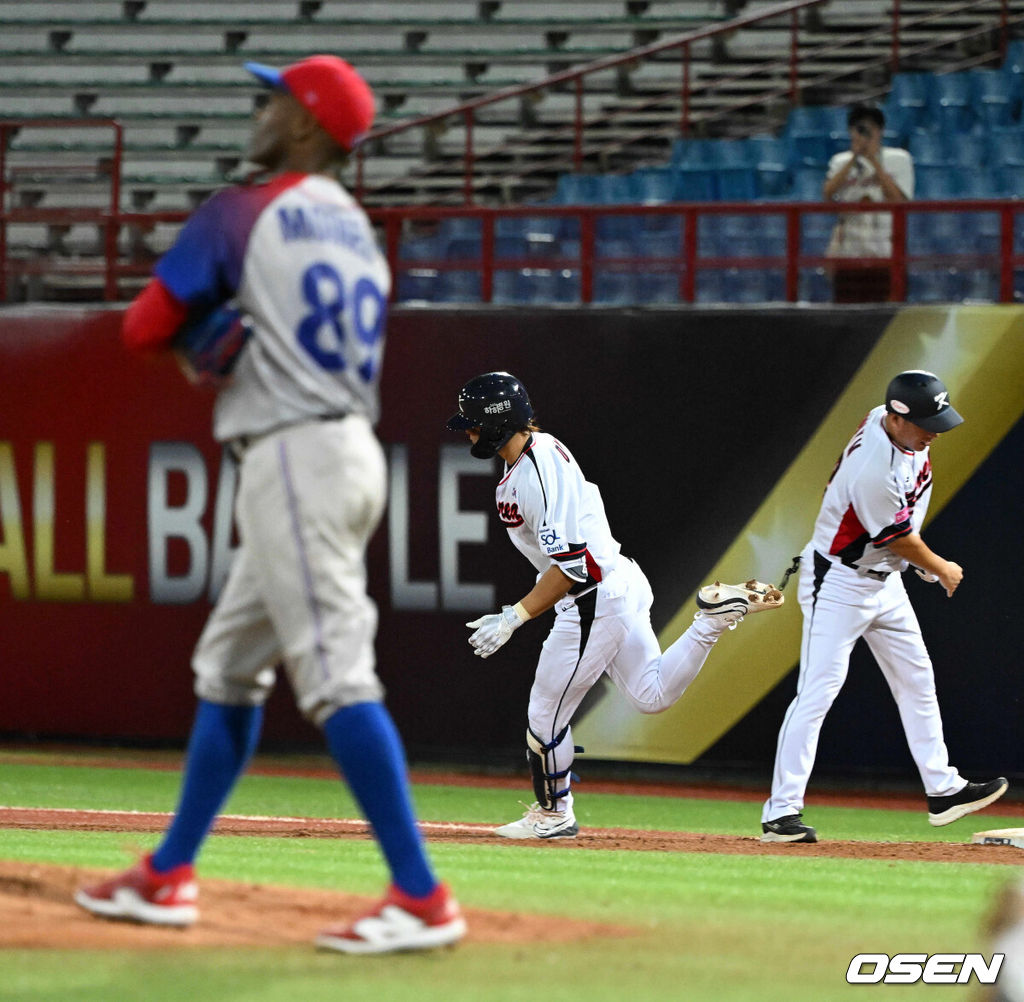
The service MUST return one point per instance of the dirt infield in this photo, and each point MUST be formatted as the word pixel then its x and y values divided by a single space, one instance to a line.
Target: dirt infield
pixel 37 911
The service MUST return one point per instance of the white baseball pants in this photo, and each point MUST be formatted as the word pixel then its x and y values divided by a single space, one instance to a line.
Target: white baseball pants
pixel 609 630
pixel 839 606
pixel 309 498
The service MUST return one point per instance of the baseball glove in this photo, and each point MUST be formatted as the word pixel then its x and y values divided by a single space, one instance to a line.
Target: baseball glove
pixel 208 346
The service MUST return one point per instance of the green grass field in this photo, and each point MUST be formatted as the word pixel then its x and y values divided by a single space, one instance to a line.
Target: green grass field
pixel 707 927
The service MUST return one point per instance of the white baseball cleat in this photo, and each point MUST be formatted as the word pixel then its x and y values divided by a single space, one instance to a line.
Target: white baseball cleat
pixel 538 822
pixel 730 603
pixel 400 923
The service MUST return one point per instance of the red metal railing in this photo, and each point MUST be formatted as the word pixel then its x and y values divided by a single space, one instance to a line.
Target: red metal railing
pixel 689 263
pixel 63 216
pixel 468 112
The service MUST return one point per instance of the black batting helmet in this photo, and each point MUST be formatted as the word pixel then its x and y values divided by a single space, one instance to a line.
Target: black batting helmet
pixel 922 398
pixel 496 403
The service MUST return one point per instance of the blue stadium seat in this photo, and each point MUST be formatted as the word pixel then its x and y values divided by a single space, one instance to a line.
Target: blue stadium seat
pixel 695 184
pixel 930 147
pixel 807 184
pixel 710 284
pixel 937 285
pixel 653 185
pixel 807 131
pixel 771 164
pixel 737 184
pixel 746 285
pixel 417 284
pixel 511 287
pixel 835 119
pixel 576 189
pixel 613 189
pixel 814 286
pixel 694 152
pixel 658 287
pixel 900 122
pixel 1006 145
pixel 992 94
pixel 980 285
pixel 909 91
pixel 816 231
pixel 556 286
pixel 663 243
pixel 458 287
pixel 1010 178
pixel 935 181
pixel 463 248
pixel 950 102
pixel 613 287
pixel 732 153
pixel 459 226
pixel 1013 66
pixel 511 247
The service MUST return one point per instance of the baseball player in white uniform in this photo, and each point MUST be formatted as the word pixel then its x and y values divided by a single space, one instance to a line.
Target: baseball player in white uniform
pixel 602 599
pixel 297 258
pixel 867 532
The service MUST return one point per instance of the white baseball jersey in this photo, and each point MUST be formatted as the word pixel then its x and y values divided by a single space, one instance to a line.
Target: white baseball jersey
pixel 298 255
pixel 554 516
pixel 877 492
pixel 868 234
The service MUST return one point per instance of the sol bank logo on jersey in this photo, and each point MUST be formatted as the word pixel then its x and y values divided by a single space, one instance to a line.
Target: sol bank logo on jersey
pixel 909 968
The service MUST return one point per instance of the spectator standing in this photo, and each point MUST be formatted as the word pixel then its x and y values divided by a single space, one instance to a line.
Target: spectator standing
pixel 866 172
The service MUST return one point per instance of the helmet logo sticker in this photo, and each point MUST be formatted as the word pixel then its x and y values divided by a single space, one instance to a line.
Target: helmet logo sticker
pixel 942 399
pixel 498 407
pixel 899 406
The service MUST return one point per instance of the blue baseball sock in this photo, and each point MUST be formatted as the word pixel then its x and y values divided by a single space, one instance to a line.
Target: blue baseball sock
pixel 223 739
pixel 364 742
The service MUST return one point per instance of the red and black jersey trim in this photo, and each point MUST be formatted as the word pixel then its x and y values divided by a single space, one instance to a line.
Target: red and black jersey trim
pixel 572 555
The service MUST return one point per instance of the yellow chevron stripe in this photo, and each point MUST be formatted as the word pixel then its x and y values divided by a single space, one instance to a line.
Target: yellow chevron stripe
pixel 978 351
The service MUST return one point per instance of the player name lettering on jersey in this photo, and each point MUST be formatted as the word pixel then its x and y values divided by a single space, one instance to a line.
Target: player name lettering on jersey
pixel 330 223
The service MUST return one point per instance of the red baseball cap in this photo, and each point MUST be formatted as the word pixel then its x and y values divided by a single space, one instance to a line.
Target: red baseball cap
pixel 331 90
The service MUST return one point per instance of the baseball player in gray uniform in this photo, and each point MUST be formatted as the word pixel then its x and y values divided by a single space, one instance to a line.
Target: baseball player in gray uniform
pixel 867 532
pixel 602 599
pixel 296 257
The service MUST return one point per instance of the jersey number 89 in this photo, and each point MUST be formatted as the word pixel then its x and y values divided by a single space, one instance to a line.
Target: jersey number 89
pixel 324 293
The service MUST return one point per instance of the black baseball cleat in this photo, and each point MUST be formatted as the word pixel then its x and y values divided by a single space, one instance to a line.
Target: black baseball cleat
pixel 973 797
pixel 788 829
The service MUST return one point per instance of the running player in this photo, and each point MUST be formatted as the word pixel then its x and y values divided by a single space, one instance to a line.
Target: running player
pixel 867 532
pixel 299 258
pixel 602 599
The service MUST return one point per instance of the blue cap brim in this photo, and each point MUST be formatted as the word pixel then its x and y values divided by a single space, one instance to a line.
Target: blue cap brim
pixel 267 75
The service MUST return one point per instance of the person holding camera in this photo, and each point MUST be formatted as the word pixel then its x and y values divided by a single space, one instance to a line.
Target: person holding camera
pixel 866 172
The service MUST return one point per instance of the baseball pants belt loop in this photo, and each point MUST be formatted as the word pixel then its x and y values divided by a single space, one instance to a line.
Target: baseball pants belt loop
pixel 240 444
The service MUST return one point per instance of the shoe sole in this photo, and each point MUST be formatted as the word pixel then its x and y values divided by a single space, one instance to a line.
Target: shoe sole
pixel 962 810
pixel 571 832
pixel 430 938
pixel 740 603
pixel 810 836
pixel 129 907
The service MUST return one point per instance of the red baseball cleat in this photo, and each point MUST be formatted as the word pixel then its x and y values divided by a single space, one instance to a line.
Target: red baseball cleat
pixel 400 922
pixel 143 895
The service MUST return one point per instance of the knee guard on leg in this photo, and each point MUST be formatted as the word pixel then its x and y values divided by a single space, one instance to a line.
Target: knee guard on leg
pixel 550 766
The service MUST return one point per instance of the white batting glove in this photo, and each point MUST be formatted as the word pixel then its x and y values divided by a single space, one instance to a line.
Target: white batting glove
pixel 926 576
pixel 494 631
